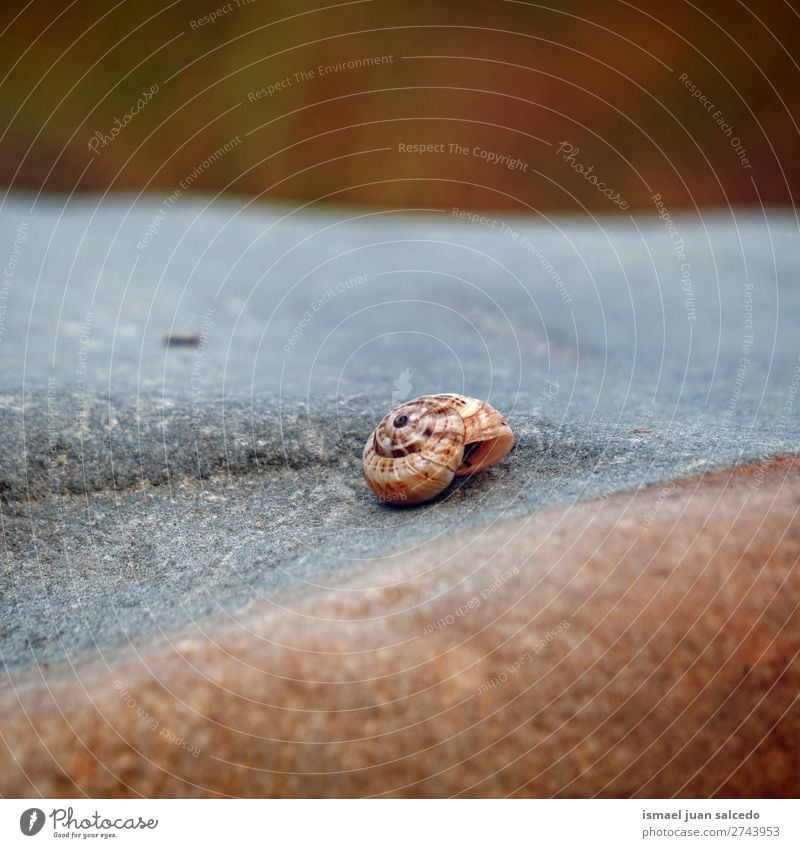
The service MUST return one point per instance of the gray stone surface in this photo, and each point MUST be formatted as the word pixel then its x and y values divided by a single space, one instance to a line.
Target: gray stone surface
pixel 142 485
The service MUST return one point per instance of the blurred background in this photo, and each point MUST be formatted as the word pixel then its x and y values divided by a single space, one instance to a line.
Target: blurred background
pixel 554 106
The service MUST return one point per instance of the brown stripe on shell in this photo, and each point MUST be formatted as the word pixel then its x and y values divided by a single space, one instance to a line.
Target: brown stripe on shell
pixel 413 463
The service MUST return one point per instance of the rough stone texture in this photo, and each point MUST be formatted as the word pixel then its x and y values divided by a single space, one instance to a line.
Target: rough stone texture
pixel 142 518
pixel 155 501
pixel 143 486
pixel 661 628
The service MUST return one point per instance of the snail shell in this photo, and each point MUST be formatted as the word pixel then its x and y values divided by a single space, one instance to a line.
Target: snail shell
pixel 418 448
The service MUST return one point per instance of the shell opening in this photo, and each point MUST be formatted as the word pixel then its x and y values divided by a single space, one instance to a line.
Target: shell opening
pixel 480 455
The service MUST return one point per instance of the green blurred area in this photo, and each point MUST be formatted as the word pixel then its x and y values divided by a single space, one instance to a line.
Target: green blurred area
pixel 698 104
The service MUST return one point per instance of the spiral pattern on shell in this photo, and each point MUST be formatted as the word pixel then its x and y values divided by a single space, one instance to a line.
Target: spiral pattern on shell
pixel 419 447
